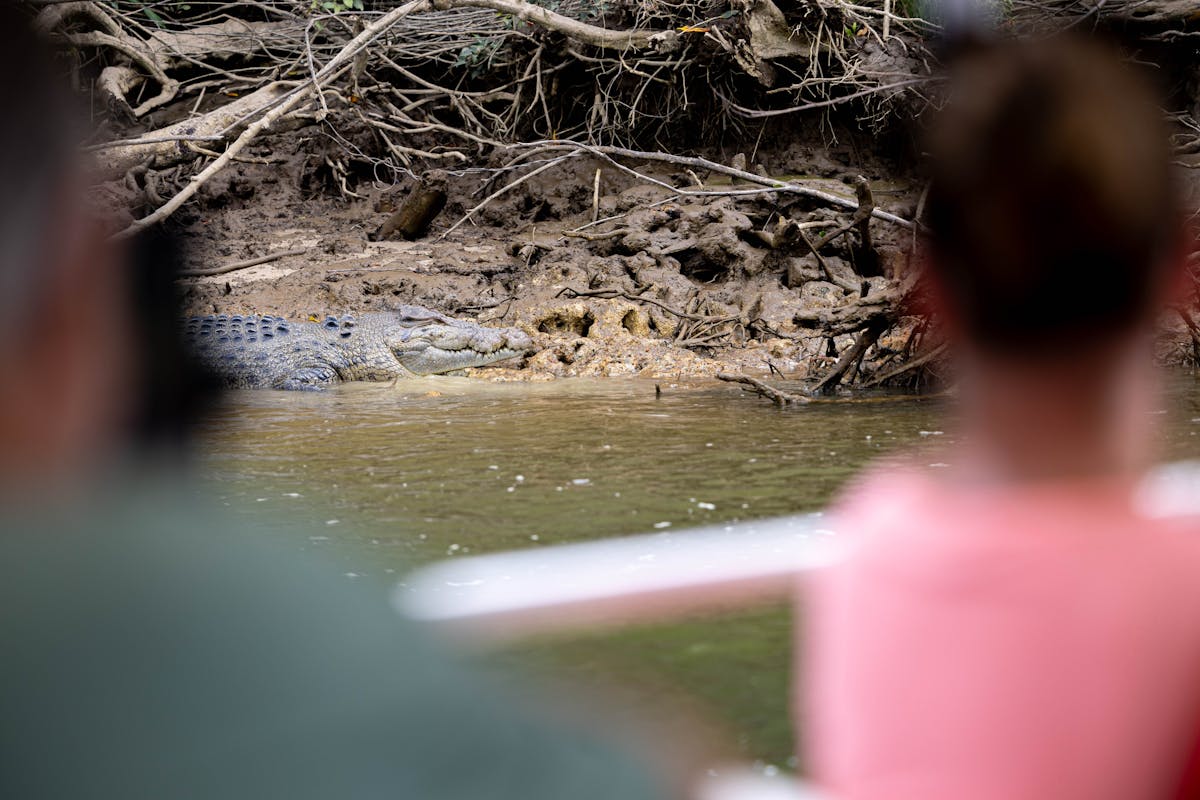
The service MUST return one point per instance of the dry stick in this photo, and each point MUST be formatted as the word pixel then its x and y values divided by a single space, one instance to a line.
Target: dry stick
pixel 596 196
pixel 824 265
pixel 330 71
pixel 622 215
pixel 758 113
pixel 497 193
pixel 250 262
pixel 915 363
pixel 860 219
pixel 580 31
pixel 780 398
pixel 169 86
pixel 93 148
pixel 868 337
pixel 788 187
pixel 202 177
pixel 597 237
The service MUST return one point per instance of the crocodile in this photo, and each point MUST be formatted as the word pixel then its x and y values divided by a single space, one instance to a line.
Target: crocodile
pixel 267 352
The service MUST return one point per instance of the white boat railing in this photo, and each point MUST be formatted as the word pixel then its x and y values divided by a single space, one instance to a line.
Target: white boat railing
pixel 650 577
pixel 494 598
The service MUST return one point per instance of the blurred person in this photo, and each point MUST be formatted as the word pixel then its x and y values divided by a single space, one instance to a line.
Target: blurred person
pixel 1019 624
pixel 151 646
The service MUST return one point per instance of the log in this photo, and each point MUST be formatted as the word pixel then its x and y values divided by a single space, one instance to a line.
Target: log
pixel 417 212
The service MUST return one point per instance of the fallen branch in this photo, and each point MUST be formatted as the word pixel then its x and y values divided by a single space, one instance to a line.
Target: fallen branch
pixel 758 113
pixel 610 153
pixel 908 366
pixel 507 187
pixel 830 276
pixel 250 262
pixel 581 31
pixel 853 355
pixel 779 397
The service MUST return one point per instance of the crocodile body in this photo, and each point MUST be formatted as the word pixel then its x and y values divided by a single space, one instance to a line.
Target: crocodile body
pixel 256 352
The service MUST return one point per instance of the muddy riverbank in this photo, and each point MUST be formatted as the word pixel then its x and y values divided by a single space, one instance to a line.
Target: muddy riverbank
pixel 611 273
pixel 612 276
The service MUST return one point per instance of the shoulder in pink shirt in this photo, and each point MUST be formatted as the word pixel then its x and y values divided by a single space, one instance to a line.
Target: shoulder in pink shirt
pixel 1039 642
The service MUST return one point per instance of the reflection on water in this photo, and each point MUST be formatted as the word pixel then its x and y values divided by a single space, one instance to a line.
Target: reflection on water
pixel 388 477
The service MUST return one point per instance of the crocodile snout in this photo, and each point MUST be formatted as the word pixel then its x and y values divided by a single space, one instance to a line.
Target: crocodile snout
pixel 517 339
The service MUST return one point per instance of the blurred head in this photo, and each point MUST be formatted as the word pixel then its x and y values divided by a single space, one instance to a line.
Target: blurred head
pixel 86 334
pixel 64 368
pixel 1056 223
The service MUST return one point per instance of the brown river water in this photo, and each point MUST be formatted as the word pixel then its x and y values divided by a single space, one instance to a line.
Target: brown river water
pixel 384 478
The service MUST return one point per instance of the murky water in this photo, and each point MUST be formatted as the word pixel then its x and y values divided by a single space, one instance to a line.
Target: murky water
pixel 390 477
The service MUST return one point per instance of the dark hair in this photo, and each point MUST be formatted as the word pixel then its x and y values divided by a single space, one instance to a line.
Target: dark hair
pixel 1052 206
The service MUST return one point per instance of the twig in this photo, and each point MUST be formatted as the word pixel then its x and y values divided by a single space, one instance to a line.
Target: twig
pixel 596 196
pixel 497 193
pixel 759 113
pixel 250 262
pixel 909 366
pixel 779 397
pixel 581 31
pixel 610 153
pixel 868 337
pixel 824 265
pixel 92 148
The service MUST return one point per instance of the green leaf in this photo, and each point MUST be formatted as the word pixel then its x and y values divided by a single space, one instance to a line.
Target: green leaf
pixel 153 15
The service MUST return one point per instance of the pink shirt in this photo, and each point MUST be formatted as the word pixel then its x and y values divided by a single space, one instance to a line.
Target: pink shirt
pixel 1037 642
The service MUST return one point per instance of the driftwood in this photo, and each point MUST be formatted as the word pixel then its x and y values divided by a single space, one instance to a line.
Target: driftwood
pixel 423 203
pixel 777 396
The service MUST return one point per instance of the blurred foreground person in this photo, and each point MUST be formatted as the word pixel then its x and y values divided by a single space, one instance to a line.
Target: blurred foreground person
pixel 1018 625
pixel 151 647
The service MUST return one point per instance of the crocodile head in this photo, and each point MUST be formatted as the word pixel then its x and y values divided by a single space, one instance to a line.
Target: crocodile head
pixel 427 342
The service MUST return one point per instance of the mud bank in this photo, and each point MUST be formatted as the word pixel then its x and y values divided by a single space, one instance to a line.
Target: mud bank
pixel 611 276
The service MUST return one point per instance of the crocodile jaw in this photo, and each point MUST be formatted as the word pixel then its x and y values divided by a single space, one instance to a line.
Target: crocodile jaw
pixel 448 350
pixel 434 360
